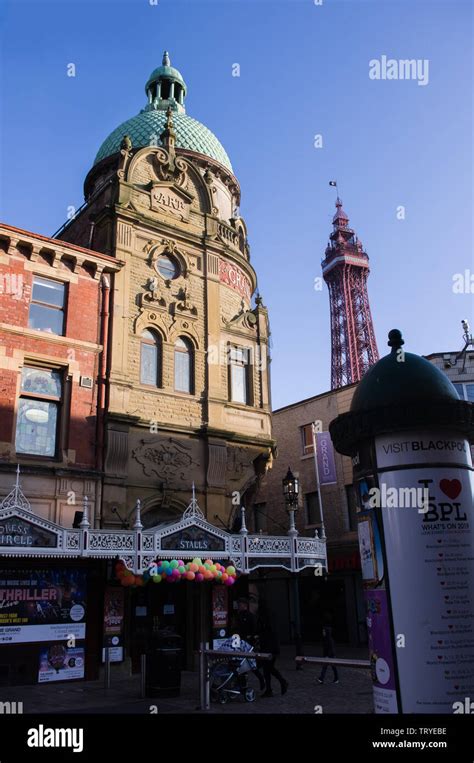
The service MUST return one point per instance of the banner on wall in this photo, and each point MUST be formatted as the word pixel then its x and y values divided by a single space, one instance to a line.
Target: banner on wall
pixel 42 605
pixel 220 606
pixel 325 457
pixel 113 623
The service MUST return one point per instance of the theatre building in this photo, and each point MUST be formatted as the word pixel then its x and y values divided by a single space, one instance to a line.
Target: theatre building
pixel 135 374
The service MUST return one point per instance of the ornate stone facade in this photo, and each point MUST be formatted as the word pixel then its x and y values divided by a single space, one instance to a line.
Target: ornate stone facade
pixel 169 213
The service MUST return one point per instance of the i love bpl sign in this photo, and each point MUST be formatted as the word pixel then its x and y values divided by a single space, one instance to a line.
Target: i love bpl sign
pixel 430 560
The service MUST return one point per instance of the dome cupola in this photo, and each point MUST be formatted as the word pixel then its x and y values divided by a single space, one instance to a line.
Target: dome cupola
pixel 166 88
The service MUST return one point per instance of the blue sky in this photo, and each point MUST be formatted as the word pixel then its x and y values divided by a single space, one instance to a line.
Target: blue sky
pixel 304 70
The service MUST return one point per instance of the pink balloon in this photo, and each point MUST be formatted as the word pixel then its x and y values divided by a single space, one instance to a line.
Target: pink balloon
pixel 176 574
pixel 199 577
pixel 229 581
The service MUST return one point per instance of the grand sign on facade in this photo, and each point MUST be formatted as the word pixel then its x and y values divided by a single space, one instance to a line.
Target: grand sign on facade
pixel 234 277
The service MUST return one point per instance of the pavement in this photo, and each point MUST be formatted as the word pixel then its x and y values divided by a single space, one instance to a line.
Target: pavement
pixel 353 693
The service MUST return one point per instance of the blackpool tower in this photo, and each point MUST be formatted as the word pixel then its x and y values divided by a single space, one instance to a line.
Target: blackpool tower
pixel 345 270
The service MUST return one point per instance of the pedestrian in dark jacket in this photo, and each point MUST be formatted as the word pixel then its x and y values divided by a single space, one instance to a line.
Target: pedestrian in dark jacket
pixel 245 625
pixel 268 642
pixel 329 649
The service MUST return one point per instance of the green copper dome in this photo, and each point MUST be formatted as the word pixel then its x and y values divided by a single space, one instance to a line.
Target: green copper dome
pixel 145 129
pixel 165 89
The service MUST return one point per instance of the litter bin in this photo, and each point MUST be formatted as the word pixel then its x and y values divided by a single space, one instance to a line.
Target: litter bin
pixel 163 667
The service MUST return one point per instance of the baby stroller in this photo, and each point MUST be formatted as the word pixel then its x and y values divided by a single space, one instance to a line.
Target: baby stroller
pixel 229 677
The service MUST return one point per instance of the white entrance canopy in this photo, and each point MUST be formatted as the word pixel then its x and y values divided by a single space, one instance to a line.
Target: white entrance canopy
pixel 25 535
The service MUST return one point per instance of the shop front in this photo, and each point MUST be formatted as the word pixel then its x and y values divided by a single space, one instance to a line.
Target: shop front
pixel 63 602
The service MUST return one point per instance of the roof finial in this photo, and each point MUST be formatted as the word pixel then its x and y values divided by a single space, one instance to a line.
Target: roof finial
pixel 138 525
pixel 395 339
pixel 243 527
pixel 84 524
pixel 166 59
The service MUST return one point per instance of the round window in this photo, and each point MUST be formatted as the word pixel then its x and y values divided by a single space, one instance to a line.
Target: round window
pixel 167 267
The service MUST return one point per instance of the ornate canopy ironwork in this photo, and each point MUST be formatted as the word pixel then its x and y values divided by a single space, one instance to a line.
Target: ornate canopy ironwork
pixel 23 534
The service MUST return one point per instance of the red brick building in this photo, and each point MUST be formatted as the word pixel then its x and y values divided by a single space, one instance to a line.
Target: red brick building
pixel 53 326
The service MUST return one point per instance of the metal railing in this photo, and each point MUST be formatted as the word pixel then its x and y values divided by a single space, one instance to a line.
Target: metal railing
pixel 215 655
pixel 338 662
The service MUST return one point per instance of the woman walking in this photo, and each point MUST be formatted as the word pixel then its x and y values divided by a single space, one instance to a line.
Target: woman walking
pixel 268 642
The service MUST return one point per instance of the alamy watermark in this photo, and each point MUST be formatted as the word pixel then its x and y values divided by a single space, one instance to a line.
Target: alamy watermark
pixel 400 498
pixel 417 69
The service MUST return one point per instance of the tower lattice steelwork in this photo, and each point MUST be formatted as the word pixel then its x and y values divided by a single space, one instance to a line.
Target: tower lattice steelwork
pixel 345 270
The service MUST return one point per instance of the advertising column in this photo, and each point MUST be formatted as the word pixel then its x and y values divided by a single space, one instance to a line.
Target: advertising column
pixel 430 559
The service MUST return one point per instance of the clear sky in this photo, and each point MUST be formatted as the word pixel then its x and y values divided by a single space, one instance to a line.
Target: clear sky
pixel 304 71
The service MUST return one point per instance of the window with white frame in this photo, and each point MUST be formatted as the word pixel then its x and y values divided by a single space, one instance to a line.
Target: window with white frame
pixel 307 439
pixel 150 358
pixel 37 421
pixel 183 365
pixel 239 375
pixel 47 306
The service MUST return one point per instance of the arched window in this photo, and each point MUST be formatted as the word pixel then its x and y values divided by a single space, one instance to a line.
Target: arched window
pixel 241 241
pixel 150 359
pixel 183 365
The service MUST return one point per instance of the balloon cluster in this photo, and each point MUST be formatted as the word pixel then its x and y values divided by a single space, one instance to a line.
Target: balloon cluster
pixel 126 577
pixel 175 570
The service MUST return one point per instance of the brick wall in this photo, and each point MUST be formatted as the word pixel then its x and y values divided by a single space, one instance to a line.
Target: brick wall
pixel 76 352
pixel 287 423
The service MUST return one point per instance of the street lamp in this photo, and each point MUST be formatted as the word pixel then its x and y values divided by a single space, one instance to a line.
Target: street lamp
pixel 291 490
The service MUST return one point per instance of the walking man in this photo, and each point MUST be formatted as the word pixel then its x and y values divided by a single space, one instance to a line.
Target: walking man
pixel 329 649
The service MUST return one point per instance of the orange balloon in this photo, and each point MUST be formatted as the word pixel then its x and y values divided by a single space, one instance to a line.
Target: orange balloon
pixel 190 574
pixel 224 576
pixel 193 567
pixel 202 569
pixel 208 575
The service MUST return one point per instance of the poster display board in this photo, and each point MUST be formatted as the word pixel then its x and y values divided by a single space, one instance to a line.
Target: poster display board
pixel 59 663
pixel 42 605
pixel 113 623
